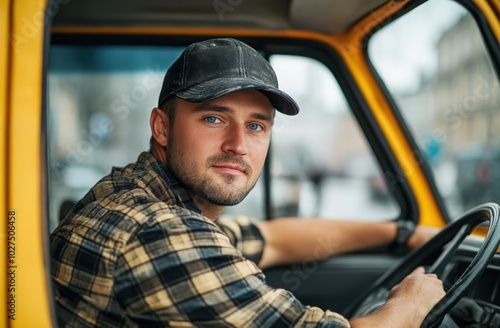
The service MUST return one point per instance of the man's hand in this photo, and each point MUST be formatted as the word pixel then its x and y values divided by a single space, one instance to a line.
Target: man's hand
pixel 422 289
pixel 408 304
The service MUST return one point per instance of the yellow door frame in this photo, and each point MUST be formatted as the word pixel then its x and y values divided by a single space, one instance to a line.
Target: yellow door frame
pixel 4 73
pixel 28 277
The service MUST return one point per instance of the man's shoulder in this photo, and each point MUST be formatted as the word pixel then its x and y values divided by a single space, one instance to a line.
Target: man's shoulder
pixel 115 220
pixel 144 175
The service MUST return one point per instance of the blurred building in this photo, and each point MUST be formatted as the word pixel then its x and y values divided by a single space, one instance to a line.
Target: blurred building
pixel 467 91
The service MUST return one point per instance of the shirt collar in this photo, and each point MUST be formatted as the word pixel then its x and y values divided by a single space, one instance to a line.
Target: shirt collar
pixel 179 189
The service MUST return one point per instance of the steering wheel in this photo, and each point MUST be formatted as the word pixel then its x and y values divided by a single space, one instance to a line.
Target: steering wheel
pixel 438 251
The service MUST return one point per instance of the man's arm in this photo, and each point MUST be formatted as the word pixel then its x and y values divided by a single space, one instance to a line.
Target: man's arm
pixel 185 271
pixel 292 240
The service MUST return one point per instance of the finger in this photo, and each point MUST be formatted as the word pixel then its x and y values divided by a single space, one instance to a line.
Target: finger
pixel 433 275
pixel 419 270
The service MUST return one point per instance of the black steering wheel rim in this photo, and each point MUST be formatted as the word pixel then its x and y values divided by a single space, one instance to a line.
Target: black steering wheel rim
pixel 432 249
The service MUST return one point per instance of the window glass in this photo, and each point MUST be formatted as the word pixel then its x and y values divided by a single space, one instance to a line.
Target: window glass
pixel 444 85
pixel 100 99
pixel 321 164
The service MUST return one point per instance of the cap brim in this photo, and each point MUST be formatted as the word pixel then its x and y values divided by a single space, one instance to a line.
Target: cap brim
pixel 217 88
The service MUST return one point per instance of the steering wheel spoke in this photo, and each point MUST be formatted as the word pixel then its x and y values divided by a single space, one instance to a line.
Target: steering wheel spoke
pixel 439 265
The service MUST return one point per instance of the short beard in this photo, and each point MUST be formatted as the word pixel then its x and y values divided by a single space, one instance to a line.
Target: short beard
pixel 203 186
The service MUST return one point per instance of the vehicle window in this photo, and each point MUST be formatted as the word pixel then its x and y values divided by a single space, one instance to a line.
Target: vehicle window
pixel 442 80
pixel 315 171
pixel 100 99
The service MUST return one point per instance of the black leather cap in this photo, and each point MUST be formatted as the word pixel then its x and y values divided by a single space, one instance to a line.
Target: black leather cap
pixel 214 68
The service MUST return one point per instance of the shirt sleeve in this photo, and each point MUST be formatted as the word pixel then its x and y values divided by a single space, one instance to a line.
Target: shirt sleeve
pixel 186 272
pixel 244 235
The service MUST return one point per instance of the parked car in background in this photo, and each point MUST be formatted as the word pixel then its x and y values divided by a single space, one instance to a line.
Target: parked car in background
pixel 478 176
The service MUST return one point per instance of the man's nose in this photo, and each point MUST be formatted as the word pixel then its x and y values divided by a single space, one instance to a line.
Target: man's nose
pixel 235 140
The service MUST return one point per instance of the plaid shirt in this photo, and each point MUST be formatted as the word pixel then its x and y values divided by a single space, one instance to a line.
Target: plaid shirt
pixel 135 251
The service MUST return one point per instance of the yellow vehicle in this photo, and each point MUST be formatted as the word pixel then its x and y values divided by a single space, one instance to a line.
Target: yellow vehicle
pixel 399 120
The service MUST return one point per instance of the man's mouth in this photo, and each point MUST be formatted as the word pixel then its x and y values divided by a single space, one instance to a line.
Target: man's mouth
pixel 230 169
pixel 230 165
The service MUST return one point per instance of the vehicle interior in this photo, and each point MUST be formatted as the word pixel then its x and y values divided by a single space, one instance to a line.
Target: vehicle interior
pixel 399 120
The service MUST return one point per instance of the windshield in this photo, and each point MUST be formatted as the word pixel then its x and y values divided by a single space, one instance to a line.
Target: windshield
pixel 441 78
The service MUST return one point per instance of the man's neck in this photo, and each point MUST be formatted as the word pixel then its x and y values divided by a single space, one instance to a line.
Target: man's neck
pixel 208 209
pixel 158 152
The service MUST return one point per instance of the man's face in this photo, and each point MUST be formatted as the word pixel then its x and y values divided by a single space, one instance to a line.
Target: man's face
pixel 217 148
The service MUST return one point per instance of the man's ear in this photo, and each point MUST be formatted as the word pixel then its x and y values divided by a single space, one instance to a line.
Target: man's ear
pixel 159 126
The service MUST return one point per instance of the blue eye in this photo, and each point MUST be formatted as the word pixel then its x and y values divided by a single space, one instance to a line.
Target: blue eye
pixel 212 119
pixel 255 127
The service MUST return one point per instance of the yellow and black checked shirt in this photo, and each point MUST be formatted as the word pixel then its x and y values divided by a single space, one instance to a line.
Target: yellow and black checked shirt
pixel 136 252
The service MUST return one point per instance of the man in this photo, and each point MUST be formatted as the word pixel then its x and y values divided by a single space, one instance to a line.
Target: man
pixel 142 248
